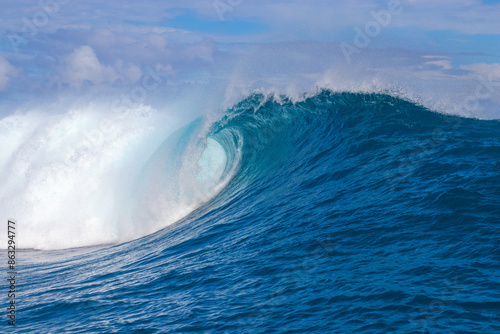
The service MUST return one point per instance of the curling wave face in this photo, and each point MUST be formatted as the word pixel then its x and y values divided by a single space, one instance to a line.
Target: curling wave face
pixel 79 178
pixel 340 213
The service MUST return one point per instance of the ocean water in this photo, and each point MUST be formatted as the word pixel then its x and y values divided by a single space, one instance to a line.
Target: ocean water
pixel 341 213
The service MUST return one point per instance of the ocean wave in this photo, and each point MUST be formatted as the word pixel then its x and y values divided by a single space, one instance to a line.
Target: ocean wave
pixel 78 180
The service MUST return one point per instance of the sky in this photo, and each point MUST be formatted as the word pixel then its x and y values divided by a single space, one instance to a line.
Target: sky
pixel 428 48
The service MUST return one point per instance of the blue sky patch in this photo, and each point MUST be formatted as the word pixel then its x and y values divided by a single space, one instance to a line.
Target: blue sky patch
pixel 191 21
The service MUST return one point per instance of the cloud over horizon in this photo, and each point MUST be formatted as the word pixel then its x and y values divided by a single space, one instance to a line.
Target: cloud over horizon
pixel 58 45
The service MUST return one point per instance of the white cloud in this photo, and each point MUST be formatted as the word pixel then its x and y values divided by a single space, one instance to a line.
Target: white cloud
pixel 466 16
pixel 130 72
pixel 83 65
pixel 324 16
pixel 7 71
pixel 439 61
pixel 167 69
pixel 295 16
pixel 487 71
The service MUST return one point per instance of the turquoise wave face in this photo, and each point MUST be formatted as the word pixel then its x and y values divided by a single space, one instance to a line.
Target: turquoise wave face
pixel 353 134
pixel 341 213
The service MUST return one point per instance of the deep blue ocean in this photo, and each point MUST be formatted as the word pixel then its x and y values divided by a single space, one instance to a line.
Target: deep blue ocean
pixel 343 213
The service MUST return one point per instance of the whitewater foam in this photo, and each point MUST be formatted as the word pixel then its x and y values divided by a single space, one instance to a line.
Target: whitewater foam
pixel 68 175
